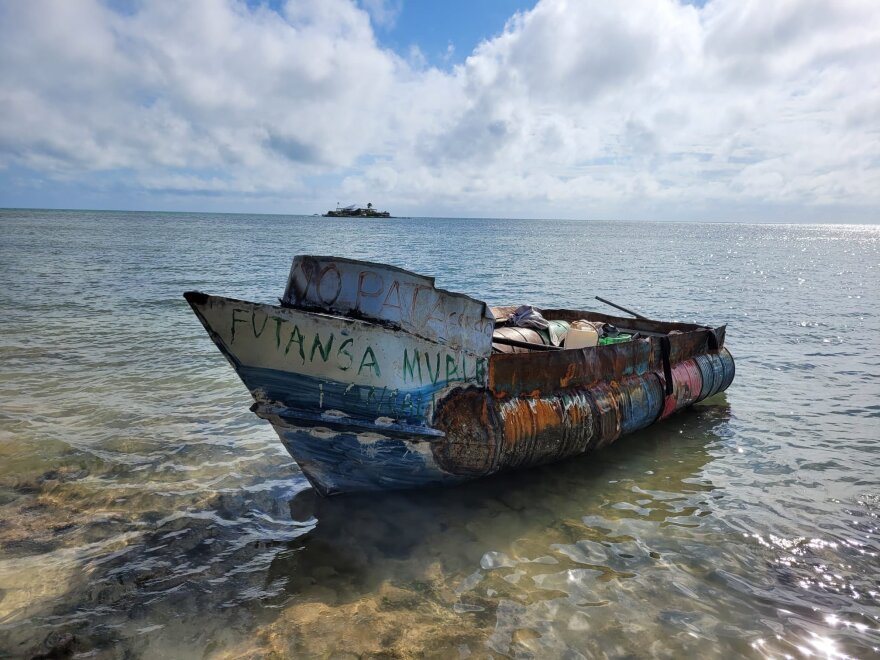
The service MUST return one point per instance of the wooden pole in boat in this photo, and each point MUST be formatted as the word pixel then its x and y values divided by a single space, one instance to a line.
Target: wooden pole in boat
pixel 622 309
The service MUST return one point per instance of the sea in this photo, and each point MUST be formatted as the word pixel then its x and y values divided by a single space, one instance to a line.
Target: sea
pixel 146 513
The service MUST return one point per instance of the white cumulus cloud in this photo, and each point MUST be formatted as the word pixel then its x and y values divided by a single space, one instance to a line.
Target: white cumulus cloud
pixel 649 108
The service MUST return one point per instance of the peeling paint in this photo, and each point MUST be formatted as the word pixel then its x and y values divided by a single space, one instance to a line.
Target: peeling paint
pixel 374 379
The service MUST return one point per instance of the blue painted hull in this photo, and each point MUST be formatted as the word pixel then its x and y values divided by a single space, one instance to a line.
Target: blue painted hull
pixel 339 459
pixel 477 433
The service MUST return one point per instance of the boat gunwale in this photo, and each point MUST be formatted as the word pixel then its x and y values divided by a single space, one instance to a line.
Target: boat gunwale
pixel 653 326
pixel 641 325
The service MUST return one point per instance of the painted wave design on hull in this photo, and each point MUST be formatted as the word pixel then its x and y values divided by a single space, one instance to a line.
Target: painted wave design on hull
pixel 299 392
pixel 345 461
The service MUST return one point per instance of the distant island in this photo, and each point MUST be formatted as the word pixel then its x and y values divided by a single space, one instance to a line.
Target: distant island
pixel 355 211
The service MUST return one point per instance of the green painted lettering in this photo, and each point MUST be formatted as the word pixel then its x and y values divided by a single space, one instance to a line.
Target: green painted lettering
pixel 278 323
pixel 254 323
pixel 296 337
pixel 235 319
pixel 409 368
pixel 344 352
pixel 436 375
pixel 372 364
pixel 318 346
pixel 451 368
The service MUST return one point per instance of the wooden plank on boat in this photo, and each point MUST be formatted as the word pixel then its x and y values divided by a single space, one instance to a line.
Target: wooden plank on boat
pixel 393 296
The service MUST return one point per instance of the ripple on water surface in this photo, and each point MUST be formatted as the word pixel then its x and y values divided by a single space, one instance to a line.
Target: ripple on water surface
pixel 145 511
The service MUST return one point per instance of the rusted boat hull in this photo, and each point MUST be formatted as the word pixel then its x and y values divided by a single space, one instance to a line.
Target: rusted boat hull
pixel 533 428
pixel 376 380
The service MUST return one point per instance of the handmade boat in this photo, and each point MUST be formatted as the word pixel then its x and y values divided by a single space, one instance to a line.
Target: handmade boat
pixel 375 379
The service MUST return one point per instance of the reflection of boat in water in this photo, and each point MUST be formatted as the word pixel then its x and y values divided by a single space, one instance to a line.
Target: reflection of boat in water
pixel 355 211
pixel 375 379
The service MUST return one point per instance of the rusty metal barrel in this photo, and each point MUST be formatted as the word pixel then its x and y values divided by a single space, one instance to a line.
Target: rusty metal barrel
pixel 699 378
pixel 717 371
pixel 553 335
pixel 517 431
pixel 526 335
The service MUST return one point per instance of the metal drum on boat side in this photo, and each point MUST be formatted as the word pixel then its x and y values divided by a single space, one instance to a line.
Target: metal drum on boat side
pixel 717 371
pixel 486 434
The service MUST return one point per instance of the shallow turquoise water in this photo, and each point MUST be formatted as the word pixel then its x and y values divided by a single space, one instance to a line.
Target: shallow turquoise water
pixel 145 512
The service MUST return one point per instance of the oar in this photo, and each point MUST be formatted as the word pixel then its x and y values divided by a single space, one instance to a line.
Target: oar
pixel 623 309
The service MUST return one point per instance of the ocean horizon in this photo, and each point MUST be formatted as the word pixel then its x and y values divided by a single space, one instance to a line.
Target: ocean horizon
pixel 448 217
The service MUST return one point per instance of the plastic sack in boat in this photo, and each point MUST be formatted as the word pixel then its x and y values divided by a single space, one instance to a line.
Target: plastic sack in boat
pixel 527 316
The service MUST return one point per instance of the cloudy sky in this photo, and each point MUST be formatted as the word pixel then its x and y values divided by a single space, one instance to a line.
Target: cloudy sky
pixel 641 109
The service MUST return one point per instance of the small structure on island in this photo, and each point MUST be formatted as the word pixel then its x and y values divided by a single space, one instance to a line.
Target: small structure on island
pixel 355 211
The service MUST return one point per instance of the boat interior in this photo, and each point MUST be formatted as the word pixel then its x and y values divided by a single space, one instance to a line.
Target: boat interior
pixel 519 329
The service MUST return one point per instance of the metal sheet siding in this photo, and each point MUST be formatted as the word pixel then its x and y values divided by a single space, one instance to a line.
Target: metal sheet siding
pixel 516 374
pixel 398 297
